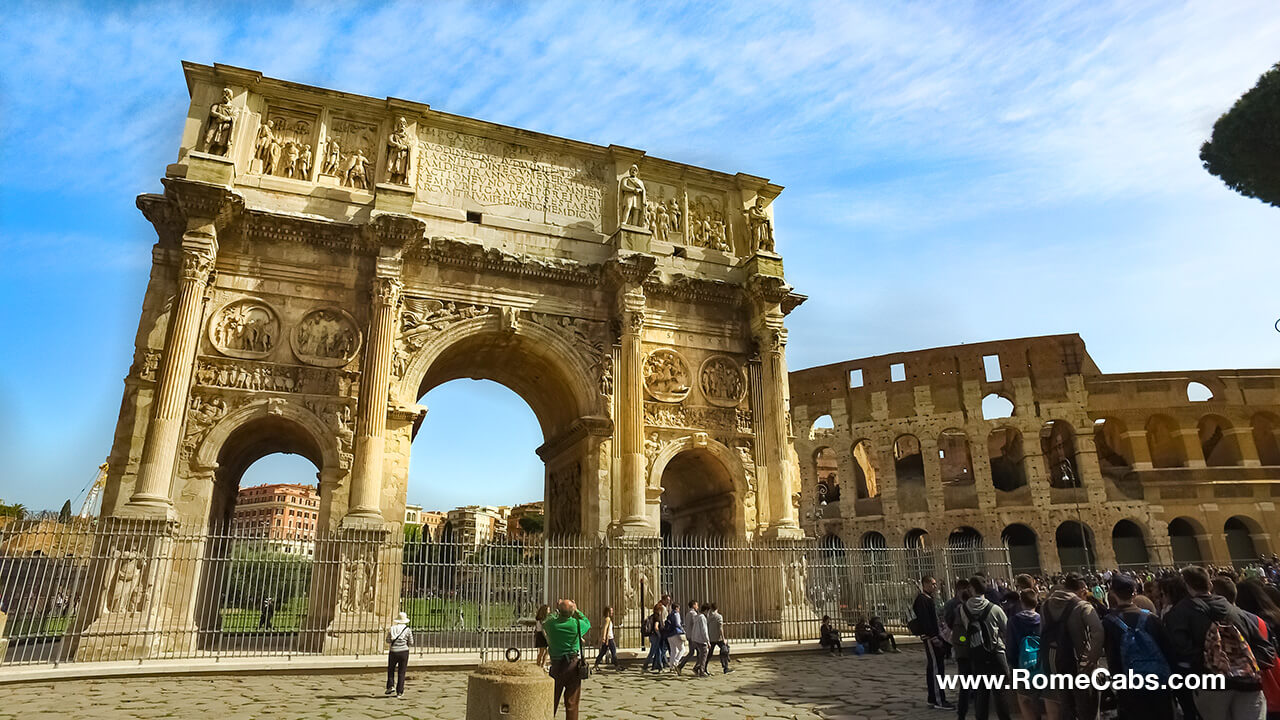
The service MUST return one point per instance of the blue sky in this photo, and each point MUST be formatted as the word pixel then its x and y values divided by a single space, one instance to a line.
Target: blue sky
pixel 955 172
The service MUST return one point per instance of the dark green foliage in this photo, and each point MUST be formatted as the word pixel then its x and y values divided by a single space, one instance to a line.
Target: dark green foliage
pixel 256 573
pixel 64 515
pixel 532 524
pixel 1244 150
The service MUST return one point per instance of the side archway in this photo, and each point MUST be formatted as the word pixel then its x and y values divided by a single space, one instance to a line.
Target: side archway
pixel 703 488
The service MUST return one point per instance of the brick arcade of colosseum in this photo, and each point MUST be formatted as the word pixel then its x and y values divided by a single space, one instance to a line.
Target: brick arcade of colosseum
pixel 1078 468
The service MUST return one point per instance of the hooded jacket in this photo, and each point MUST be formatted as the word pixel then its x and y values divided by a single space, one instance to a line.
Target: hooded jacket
pixel 994 626
pixel 1084 630
pixel 1188 621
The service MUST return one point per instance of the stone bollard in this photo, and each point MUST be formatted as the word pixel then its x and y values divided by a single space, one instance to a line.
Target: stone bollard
pixel 509 691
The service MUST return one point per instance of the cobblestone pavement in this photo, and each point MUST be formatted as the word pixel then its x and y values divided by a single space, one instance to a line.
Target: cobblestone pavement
pixel 791 686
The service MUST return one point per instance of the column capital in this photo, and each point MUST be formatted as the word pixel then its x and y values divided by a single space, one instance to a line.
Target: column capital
pixel 197 262
pixel 394 233
pixel 625 269
pixel 203 205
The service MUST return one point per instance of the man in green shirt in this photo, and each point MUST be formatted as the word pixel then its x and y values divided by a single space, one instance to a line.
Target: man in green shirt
pixel 564 632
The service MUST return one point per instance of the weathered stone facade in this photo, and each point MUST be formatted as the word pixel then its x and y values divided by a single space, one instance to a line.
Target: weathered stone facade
pixel 1129 456
pixel 325 259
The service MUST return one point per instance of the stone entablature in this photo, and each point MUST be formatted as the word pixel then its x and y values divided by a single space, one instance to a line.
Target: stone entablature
pixel 321 153
pixel 1140 450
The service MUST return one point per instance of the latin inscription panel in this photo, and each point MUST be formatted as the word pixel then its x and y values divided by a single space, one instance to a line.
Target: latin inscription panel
pixel 533 184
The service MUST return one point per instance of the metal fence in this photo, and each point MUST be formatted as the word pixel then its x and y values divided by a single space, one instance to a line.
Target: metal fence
pixel 108 591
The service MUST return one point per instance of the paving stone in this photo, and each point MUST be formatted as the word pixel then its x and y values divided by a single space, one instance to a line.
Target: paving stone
pixel 787 686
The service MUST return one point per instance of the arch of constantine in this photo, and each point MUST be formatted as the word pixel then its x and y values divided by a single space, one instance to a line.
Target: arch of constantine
pixel 324 260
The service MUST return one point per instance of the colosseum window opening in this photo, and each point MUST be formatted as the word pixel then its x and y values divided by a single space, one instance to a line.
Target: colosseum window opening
pixel 991 364
pixel 1198 392
pixel 898 372
pixel 996 406
pixel 1008 461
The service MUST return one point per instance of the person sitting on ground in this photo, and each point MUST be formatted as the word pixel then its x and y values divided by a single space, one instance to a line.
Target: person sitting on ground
pixel 881 637
pixel 828 638
pixel 862 633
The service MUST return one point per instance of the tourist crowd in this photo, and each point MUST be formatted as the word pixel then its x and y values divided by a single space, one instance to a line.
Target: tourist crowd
pixel 1143 641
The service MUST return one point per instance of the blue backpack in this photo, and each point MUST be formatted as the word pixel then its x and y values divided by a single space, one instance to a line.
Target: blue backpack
pixel 1029 655
pixel 1139 651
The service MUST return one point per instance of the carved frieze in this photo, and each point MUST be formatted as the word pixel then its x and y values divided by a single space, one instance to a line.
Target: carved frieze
pixel 327 337
pixel 707 226
pixel 349 151
pixel 664 214
pixel 666 375
pixel 244 328
pixel 285 144
pixel 498 174
pixel 722 381
pixel 723 420
pixel 271 377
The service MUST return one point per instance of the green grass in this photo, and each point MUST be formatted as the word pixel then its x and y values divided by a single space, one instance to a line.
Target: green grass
pixel 442 614
pixel 34 626
pixel 287 618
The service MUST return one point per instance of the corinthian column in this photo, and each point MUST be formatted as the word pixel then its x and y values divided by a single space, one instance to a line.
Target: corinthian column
pixel 771 338
pixel 631 303
pixel 375 384
pixel 168 406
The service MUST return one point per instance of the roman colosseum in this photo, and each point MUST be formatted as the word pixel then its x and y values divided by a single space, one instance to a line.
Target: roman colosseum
pixel 1028 443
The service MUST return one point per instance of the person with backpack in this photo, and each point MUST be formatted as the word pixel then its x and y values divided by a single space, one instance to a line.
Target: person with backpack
pixel 924 623
pixel 1136 642
pixel 1023 649
pixel 565 629
pixel 1209 635
pixel 1071 642
pixel 980 627
pixel 1252 597
pixel 950 617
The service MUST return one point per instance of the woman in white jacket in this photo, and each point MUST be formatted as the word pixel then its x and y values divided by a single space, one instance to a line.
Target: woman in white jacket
pixel 399 638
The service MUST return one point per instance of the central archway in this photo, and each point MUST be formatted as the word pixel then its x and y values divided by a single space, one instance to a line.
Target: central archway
pixel 545 370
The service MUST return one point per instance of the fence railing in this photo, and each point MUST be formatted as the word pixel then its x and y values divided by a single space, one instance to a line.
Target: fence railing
pixel 109 591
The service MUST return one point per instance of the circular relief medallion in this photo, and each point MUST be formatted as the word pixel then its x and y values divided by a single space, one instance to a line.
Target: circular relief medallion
pixel 666 375
pixel 722 381
pixel 327 337
pixel 244 328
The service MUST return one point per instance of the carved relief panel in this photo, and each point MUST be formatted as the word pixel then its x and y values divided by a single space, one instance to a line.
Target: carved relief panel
pixel 708 223
pixel 666 375
pixel 286 144
pixel 327 337
pixel 245 328
pixel 350 150
pixel 722 381
pixel 664 211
